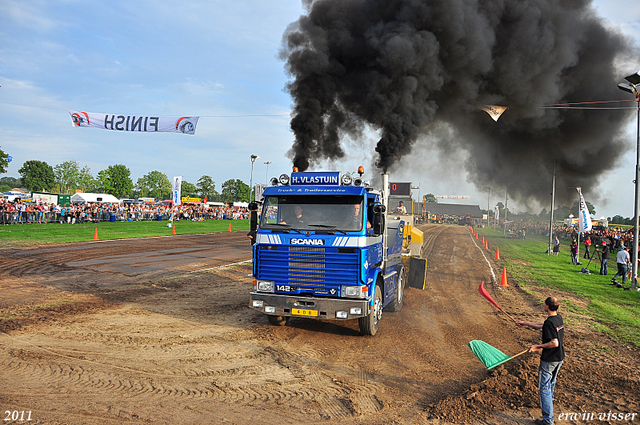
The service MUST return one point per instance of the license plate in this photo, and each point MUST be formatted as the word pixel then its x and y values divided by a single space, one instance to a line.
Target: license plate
pixel 300 312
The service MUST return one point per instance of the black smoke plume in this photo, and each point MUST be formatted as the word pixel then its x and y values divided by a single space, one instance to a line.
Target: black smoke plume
pixel 407 68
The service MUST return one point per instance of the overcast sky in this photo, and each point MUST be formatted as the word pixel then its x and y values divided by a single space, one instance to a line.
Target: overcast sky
pixel 217 59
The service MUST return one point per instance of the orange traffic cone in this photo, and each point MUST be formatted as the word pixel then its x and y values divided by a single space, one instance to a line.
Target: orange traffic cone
pixel 503 281
pixel 95 235
pixel 476 236
pixel 486 246
pixel 173 229
pixel 483 239
pixel 497 253
pixel 229 226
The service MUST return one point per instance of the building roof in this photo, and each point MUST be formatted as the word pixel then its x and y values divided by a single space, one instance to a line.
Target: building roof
pixel 456 210
pixel 94 197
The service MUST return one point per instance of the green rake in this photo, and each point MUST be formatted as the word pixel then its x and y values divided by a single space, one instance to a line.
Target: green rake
pixel 490 356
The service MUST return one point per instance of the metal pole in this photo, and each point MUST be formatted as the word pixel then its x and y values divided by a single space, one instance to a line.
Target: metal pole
pixel 553 199
pixel 488 202
pixel 578 229
pixel 251 180
pixel 634 257
pixel 266 182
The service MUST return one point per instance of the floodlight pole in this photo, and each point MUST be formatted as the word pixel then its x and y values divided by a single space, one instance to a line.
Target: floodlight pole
pixel 488 202
pixel 553 200
pixel 266 182
pixel 634 265
pixel 632 87
pixel 253 160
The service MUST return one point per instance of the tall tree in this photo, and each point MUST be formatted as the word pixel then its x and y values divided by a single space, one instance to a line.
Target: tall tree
pixel 86 182
pixel 431 198
pixel 37 175
pixel 154 184
pixel 207 188
pixel 188 189
pixel 4 162
pixel 115 180
pixel 67 175
pixel 235 191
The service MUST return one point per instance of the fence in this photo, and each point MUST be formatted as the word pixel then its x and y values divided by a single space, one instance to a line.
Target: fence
pixel 36 217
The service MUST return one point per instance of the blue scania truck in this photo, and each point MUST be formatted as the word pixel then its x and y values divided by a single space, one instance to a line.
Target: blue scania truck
pixel 325 249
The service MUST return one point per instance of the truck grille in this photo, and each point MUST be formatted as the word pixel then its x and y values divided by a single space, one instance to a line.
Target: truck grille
pixel 308 266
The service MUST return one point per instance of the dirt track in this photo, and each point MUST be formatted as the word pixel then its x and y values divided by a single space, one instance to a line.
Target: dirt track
pixel 136 332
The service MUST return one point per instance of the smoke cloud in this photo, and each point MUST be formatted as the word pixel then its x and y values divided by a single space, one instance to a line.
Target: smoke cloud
pixel 409 68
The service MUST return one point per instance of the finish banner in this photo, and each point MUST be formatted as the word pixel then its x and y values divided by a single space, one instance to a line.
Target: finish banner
pixel 185 125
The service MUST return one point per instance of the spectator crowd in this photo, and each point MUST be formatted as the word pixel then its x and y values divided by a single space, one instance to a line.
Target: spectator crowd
pixel 21 212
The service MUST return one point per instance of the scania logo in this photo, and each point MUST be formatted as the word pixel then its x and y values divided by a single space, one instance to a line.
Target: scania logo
pixel 307 242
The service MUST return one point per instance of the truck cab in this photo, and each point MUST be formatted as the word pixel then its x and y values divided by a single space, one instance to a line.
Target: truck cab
pixel 324 250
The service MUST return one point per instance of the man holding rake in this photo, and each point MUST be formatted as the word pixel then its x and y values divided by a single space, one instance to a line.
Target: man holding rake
pixel 551 358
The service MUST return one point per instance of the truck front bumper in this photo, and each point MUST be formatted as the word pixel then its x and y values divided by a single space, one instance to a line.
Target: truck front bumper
pixel 312 307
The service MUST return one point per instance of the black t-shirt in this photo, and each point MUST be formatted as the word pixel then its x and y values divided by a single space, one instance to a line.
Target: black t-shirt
pixel 553 328
pixel 605 252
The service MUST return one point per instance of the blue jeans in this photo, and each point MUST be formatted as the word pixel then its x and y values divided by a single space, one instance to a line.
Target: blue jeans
pixel 547 375
pixel 574 258
pixel 604 269
pixel 622 271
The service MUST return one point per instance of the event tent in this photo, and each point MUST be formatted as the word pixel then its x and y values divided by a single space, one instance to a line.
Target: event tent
pixel 94 197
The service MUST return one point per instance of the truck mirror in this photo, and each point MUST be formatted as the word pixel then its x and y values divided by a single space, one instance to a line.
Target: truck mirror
pixel 378 219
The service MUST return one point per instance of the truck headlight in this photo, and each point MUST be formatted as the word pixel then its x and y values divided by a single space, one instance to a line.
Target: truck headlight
pixel 265 286
pixel 350 291
pixel 341 314
pixel 258 303
pixel 355 311
pixel 269 309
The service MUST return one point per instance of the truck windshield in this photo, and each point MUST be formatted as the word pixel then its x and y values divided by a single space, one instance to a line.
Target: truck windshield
pixel 318 213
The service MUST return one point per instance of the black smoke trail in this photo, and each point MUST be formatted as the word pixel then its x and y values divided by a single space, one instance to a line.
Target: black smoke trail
pixel 409 67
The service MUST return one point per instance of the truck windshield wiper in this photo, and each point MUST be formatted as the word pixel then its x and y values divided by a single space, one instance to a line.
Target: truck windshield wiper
pixel 286 228
pixel 327 226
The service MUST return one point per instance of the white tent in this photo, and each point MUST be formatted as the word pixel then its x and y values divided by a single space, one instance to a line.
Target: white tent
pixel 94 197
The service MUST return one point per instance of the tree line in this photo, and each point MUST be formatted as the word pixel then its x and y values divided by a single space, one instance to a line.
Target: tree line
pixel 67 177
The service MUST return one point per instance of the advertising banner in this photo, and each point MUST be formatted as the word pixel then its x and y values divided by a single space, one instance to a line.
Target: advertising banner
pixel 177 190
pixel 584 218
pixel 148 124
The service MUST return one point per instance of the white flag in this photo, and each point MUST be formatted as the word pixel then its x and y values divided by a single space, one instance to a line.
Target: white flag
pixel 177 190
pixel 496 213
pixel 584 219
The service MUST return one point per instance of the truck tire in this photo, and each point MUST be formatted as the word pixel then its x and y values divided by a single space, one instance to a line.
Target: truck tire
pixel 369 324
pixel 396 304
pixel 277 320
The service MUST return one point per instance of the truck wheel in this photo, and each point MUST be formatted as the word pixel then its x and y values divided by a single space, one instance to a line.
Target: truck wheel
pixel 369 325
pixel 278 320
pixel 396 305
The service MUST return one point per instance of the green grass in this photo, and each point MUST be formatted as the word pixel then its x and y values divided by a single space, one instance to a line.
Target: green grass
pixel 33 234
pixel 612 310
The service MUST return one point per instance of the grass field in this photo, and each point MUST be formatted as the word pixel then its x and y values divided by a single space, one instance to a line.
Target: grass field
pixel 613 310
pixel 32 234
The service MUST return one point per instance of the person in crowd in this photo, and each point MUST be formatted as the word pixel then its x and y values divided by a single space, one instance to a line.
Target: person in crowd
pixel 574 251
pixel 604 258
pixel 587 247
pixel 622 259
pixel 556 246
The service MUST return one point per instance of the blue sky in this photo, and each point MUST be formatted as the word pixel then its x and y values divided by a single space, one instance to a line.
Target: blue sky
pixel 216 59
